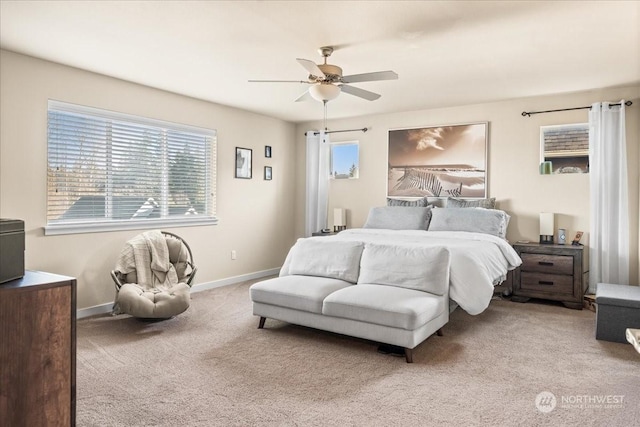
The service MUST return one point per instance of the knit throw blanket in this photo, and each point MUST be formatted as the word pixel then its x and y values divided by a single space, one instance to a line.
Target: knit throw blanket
pixel 148 255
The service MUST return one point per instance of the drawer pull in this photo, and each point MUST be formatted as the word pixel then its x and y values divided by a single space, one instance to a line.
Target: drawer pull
pixel 545 263
pixel 545 282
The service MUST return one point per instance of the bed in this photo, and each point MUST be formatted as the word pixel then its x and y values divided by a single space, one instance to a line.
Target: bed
pixel 395 280
pixel 480 259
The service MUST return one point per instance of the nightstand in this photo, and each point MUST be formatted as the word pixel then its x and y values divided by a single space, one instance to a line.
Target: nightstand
pixel 320 233
pixel 552 272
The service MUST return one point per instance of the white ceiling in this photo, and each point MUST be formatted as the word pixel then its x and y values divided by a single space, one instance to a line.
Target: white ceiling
pixel 446 53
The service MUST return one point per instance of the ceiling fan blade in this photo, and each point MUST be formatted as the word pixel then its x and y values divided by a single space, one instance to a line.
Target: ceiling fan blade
pixel 311 67
pixel 278 81
pixel 352 90
pixel 306 96
pixel 370 77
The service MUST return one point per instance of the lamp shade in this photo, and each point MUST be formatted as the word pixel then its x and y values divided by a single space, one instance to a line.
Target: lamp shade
pixel 547 225
pixel 339 217
pixel 324 92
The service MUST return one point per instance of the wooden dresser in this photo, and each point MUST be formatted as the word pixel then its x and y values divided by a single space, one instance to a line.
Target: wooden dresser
pixel 553 272
pixel 38 350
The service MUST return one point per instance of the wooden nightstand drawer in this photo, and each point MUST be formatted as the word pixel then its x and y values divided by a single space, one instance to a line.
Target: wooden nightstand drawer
pixel 541 282
pixel 549 264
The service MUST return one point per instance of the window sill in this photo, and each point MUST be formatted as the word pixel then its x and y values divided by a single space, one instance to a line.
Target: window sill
pixel 99 227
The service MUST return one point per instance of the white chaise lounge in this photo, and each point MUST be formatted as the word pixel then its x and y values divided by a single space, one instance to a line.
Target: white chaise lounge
pixel 385 293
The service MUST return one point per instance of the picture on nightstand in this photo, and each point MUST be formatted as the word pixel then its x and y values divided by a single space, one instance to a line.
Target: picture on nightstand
pixel 576 241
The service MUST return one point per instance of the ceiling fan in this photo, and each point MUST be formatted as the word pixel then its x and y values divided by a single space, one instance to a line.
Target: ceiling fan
pixel 327 81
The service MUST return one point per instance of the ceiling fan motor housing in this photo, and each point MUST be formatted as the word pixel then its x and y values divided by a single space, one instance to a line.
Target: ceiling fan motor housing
pixel 333 73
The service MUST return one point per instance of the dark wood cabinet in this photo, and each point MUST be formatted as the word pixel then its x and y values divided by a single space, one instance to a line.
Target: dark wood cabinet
pixel 38 350
pixel 553 272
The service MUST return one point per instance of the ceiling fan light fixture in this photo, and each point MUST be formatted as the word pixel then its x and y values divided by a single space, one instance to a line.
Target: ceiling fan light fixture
pixel 324 92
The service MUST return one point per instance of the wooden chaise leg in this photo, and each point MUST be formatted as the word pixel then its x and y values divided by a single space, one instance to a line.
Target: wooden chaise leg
pixel 408 354
pixel 261 324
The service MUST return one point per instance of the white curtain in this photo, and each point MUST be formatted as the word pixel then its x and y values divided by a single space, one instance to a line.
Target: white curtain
pixel 318 152
pixel 609 238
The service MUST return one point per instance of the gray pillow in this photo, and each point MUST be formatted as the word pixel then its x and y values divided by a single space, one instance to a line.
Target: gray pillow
pixel 399 218
pixel 452 202
pixel 407 203
pixel 479 220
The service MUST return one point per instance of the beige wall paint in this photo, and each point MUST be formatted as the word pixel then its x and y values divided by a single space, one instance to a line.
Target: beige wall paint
pixel 513 160
pixel 255 216
pixel 261 219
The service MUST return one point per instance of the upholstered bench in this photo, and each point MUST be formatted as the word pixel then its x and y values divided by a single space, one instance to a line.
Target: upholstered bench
pixel 388 294
pixel 618 309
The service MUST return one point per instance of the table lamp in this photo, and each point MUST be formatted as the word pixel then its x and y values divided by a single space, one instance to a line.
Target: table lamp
pixel 339 219
pixel 547 227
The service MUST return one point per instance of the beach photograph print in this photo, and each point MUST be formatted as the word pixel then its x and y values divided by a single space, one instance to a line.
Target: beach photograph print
pixel 438 161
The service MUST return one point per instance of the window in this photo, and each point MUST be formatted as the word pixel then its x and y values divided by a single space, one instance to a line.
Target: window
pixel 344 160
pixel 112 171
pixel 564 148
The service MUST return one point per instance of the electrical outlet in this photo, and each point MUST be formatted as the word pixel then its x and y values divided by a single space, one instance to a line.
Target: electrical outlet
pixel 233 254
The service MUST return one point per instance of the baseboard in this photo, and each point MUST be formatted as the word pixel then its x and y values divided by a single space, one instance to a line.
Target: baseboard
pixel 106 308
pixel 92 311
pixel 235 279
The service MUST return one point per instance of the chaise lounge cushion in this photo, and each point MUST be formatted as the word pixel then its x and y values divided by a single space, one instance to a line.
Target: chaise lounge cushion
pixel 384 305
pixel 413 267
pixel 304 293
pixel 326 258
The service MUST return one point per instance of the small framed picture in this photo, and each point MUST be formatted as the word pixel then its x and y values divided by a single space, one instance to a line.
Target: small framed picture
pixel 243 163
pixel 267 151
pixel 576 241
pixel 267 173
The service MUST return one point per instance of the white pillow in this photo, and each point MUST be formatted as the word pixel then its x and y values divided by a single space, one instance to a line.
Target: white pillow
pixel 479 220
pixel 414 267
pixel 399 218
pixel 326 257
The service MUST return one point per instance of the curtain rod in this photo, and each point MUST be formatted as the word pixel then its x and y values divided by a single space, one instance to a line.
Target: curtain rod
pixel 528 114
pixel 336 131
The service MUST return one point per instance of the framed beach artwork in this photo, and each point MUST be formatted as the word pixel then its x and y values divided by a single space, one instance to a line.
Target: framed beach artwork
pixel 438 161
pixel 243 162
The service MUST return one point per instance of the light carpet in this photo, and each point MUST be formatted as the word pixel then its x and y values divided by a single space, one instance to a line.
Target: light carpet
pixel 211 366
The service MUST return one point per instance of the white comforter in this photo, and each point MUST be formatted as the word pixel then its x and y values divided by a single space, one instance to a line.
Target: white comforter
pixel 477 260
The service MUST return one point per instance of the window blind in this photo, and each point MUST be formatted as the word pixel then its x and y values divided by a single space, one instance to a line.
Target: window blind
pixel 117 169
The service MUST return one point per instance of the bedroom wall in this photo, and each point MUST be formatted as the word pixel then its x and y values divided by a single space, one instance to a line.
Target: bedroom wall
pixel 513 158
pixel 255 216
